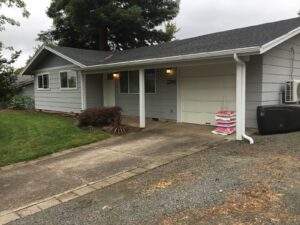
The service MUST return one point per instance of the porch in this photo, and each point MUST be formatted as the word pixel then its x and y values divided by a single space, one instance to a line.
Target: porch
pixel 189 92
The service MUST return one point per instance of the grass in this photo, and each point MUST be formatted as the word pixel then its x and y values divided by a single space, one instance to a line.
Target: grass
pixel 29 135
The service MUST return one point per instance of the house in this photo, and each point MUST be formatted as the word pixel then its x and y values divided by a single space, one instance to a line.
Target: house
pixel 184 80
pixel 26 86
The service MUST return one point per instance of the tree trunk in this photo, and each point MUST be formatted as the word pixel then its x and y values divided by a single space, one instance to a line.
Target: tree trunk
pixel 103 39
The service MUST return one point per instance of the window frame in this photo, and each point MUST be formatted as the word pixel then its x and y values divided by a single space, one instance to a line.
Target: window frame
pixel 128 84
pixel 67 88
pixel 37 78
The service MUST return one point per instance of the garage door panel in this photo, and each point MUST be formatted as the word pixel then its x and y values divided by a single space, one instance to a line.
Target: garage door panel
pixel 206 107
pixel 210 95
pixel 206 90
pixel 199 118
pixel 197 83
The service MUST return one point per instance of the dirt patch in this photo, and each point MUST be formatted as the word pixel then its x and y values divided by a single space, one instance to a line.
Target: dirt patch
pixel 256 204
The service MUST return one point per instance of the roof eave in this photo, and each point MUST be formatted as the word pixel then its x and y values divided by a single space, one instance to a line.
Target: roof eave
pixel 181 58
pixel 44 47
pixel 21 84
pixel 268 46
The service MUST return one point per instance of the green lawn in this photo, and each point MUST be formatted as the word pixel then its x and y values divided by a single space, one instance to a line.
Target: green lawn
pixel 28 135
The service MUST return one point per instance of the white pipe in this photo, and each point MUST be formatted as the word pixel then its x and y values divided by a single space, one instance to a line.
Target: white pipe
pixel 250 139
pixel 242 104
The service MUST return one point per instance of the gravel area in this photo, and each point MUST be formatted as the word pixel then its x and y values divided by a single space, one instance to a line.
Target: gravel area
pixel 234 183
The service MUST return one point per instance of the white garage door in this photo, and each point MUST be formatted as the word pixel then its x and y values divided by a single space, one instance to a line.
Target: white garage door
pixel 205 90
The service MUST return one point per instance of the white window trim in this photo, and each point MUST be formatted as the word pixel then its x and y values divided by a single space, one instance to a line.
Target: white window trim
pixel 67 88
pixel 37 82
pixel 137 93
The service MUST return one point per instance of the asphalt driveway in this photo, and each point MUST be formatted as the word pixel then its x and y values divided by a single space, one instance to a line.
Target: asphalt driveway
pixel 233 183
pixel 28 182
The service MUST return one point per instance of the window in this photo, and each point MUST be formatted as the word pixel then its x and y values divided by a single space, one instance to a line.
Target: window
pixel 68 80
pixel 124 82
pixel 43 81
pixel 129 82
pixel 134 82
pixel 150 81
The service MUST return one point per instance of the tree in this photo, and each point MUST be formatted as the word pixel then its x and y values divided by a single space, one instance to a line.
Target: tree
pixel 110 24
pixel 7 76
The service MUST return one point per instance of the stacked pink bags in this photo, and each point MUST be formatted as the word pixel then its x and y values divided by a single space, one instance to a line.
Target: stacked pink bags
pixel 226 122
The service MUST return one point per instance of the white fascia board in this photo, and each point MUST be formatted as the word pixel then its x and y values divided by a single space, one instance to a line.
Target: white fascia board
pixel 268 46
pixel 240 51
pixel 32 59
pixel 54 52
pixel 64 57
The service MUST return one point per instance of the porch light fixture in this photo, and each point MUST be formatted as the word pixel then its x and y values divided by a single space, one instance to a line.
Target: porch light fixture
pixel 116 76
pixel 170 71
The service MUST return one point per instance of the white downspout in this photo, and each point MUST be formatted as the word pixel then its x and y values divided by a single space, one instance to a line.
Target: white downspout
pixel 241 100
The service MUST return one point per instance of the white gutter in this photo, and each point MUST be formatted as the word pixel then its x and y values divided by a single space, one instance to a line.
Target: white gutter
pixel 143 62
pixel 241 100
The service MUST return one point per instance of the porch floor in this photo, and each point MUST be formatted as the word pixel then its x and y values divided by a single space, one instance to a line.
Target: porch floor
pixel 172 127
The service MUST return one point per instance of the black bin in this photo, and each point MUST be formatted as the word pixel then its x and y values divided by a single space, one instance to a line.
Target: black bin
pixel 275 119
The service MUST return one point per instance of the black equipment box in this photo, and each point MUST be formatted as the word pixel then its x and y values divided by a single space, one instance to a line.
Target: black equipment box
pixel 274 119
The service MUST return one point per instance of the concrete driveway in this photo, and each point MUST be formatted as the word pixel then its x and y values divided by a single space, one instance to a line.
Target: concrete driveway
pixel 25 183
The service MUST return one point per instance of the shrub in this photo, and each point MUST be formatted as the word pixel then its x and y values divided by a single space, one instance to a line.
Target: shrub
pixel 100 116
pixel 21 103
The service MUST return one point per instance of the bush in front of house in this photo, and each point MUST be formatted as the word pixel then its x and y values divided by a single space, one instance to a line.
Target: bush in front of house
pixel 99 117
pixel 21 103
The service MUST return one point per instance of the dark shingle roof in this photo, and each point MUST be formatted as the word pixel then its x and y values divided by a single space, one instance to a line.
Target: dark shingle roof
pixel 83 56
pixel 253 36
pixel 24 80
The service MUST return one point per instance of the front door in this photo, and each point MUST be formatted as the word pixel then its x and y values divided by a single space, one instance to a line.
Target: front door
pixel 109 91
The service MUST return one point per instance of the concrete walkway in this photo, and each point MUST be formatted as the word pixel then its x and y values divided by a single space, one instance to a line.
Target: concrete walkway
pixel 30 187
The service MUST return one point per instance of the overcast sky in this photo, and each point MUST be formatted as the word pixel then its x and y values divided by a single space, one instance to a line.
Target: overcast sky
pixel 196 17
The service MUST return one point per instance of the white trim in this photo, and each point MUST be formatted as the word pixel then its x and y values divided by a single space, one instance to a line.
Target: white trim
pixel 67 88
pixel 83 90
pixel 32 59
pixel 71 66
pixel 268 46
pixel 142 98
pixel 179 99
pixel 64 56
pixel 37 80
pixel 250 50
pixel 53 51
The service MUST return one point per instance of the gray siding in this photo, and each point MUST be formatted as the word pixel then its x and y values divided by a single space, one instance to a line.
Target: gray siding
pixel 94 90
pixel 162 104
pixel 55 98
pixel 50 60
pixel 253 89
pixel 277 70
pixel 27 91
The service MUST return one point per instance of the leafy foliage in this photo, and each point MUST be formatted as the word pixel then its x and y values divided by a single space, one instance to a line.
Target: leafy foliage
pixel 8 79
pixel 100 116
pixel 7 76
pixel 110 24
pixel 8 20
pixel 21 103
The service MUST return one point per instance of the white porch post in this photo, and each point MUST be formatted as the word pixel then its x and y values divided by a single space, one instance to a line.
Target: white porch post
pixel 83 90
pixel 239 101
pixel 142 98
